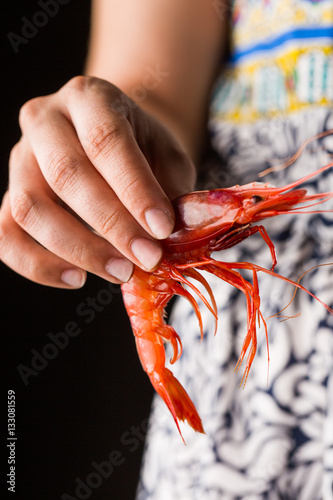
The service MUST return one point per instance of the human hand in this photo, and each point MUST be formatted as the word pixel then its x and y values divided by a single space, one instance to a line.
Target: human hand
pixel 89 158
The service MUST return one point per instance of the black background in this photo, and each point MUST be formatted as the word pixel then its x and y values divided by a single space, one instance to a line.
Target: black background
pixel 88 400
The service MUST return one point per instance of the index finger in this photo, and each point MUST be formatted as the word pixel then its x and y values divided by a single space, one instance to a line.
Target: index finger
pixel 107 138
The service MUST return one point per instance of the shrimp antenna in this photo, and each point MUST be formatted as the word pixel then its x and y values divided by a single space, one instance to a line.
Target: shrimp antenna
pixel 284 318
pixel 294 157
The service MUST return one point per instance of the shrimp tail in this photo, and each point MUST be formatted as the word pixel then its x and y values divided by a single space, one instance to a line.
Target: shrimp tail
pixel 176 399
pixel 152 356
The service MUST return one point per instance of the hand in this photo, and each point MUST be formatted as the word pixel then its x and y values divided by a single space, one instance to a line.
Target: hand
pixel 90 184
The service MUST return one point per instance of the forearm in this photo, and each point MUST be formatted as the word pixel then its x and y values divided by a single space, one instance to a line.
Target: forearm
pixel 163 55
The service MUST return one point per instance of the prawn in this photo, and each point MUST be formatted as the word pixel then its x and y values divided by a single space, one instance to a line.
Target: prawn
pixel 206 222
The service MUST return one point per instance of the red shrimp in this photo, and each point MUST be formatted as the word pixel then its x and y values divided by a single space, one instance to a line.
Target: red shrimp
pixel 207 221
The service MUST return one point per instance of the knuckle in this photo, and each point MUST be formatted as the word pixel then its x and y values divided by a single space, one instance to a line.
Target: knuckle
pixel 14 154
pixel 131 189
pixel 107 224
pixel 3 239
pixel 77 253
pixel 35 270
pixel 63 170
pixel 78 83
pixel 83 84
pixel 102 139
pixel 24 207
pixel 31 110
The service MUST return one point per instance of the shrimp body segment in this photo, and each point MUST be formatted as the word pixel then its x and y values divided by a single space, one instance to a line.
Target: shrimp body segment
pixel 207 221
pixel 145 298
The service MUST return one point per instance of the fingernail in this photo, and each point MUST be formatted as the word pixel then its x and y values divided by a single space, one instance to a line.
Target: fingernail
pixel 121 269
pixel 159 222
pixel 73 277
pixel 147 252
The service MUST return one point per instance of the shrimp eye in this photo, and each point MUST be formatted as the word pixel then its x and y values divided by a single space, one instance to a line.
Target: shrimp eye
pixel 257 199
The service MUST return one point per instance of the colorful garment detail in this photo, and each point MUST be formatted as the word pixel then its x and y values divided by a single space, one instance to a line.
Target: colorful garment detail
pixel 273 440
pixel 282 59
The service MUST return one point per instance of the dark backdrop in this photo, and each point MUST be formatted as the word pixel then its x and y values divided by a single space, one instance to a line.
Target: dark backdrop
pixel 82 399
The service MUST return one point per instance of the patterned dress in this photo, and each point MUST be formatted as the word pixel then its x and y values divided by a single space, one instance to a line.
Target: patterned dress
pixel 273 440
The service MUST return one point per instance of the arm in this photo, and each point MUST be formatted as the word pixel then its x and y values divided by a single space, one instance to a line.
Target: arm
pixel 181 39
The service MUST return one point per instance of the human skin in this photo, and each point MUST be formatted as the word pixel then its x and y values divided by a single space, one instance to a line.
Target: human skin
pixel 91 179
